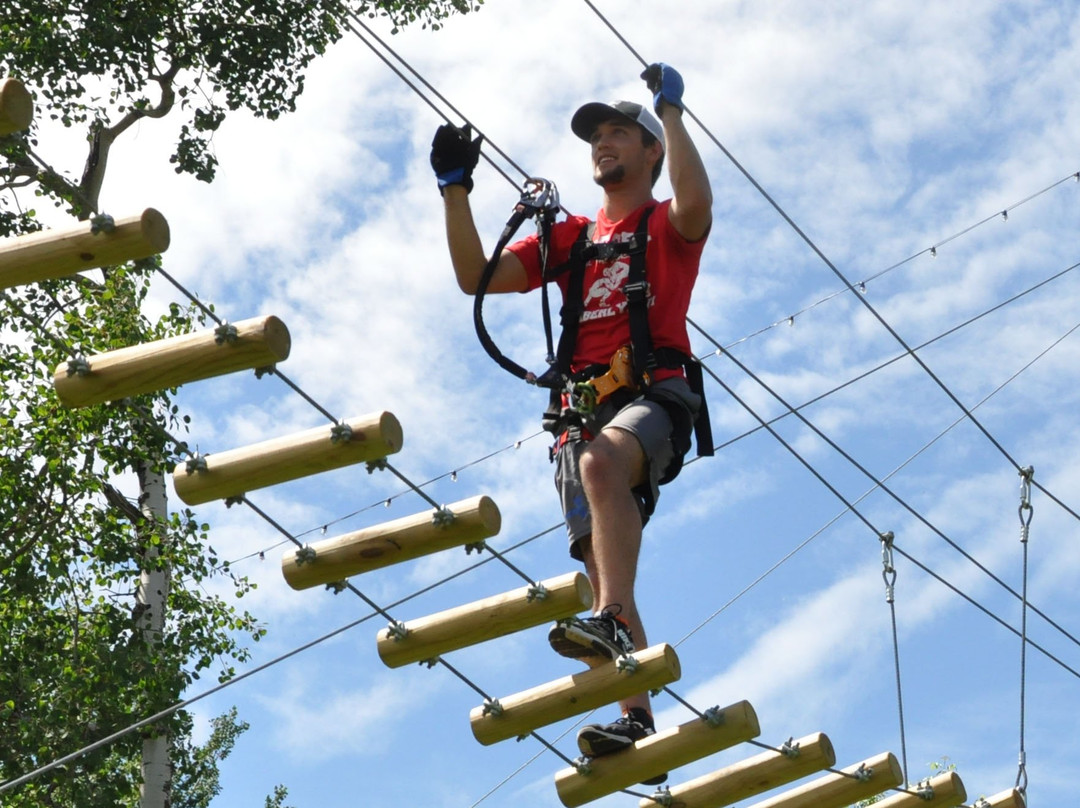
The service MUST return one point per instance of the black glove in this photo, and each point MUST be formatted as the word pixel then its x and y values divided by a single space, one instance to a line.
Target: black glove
pixel 666 85
pixel 454 155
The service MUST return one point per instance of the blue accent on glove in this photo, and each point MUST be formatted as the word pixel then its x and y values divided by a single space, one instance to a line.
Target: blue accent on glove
pixel 453 177
pixel 666 85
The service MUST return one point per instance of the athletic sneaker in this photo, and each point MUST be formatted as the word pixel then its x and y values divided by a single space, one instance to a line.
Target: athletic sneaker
pixel 595 740
pixel 603 636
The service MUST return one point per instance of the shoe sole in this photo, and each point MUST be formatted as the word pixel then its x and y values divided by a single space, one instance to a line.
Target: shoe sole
pixel 594 742
pixel 569 640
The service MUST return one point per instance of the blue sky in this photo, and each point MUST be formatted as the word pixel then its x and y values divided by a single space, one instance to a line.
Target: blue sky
pixel 882 130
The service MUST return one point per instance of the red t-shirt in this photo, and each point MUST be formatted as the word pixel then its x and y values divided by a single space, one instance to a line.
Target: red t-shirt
pixel 671 267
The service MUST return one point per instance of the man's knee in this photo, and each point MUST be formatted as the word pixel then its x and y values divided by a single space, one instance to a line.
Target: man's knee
pixel 614 457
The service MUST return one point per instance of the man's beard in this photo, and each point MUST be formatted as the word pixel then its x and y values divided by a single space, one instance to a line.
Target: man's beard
pixel 613 177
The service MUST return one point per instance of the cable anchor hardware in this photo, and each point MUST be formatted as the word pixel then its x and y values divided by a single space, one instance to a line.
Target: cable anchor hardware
pixel 443 517
pixel 337 587
pixel 475 547
pixel 305 555
pixel 492 707
pixel 102 223
pixel 714 717
pixel 662 796
pixel 226 332
pixel 196 462
pixel 888 572
pixel 1025 511
pixel 376 465
pixel 398 630
pixel 790 748
pixel 535 592
pixel 626 664
pixel 863 773
pixel 341 433
pixel 78 366
pixel 925 790
pixel 581 766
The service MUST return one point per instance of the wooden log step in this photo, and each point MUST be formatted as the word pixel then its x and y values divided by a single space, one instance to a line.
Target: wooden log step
pixel 237 471
pixel 523 712
pixel 1012 798
pixel 483 620
pixel 16 107
pixel 753 776
pixel 946 790
pixel 65 251
pixel 391 542
pixel 658 753
pixel 246 345
pixel 873 776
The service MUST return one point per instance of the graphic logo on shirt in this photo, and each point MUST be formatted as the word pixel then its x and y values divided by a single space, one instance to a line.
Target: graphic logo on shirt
pixel 605 297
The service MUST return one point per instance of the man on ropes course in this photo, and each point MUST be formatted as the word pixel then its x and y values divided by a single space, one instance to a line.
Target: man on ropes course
pixel 626 391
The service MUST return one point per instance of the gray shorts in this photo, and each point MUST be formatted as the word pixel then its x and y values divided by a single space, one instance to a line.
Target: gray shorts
pixel 648 421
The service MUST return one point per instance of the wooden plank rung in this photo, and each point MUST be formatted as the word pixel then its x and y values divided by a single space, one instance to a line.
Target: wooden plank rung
pixel 16 107
pixel 484 620
pixel 755 775
pixel 238 471
pixel 65 251
pixel 246 345
pixel 1010 798
pixel 661 752
pixel 858 782
pixel 523 712
pixel 945 790
pixel 333 560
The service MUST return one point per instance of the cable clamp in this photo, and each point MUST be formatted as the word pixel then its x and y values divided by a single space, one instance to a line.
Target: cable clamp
pixel 429 663
pixel 475 547
pixel 581 766
pixel 397 630
pixel 714 716
pixel 982 802
pixel 492 707
pixel 790 748
pixel 265 369
pixel 102 223
pixel 536 591
pixel 925 790
pixel 863 773
pixel 78 366
pixel 443 517
pixel 337 587
pixel 341 433
pixel 626 664
pixel 1026 474
pixel 226 332
pixel 305 555
pixel 233 500
pixel 376 465
pixel 888 572
pixel 196 462
pixel 662 796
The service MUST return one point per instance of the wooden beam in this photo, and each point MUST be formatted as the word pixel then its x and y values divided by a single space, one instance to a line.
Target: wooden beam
pixel 65 251
pixel 523 712
pixel 237 471
pixel 391 543
pixel 1012 798
pixel 658 753
pixel 946 790
pixel 16 107
pixel 248 344
pixel 838 790
pixel 753 776
pixel 483 620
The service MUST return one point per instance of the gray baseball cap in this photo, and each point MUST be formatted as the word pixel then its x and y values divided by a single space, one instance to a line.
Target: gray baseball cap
pixel 589 116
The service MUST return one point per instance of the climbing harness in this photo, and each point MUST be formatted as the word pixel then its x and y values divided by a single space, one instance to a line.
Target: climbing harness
pixel 631 369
